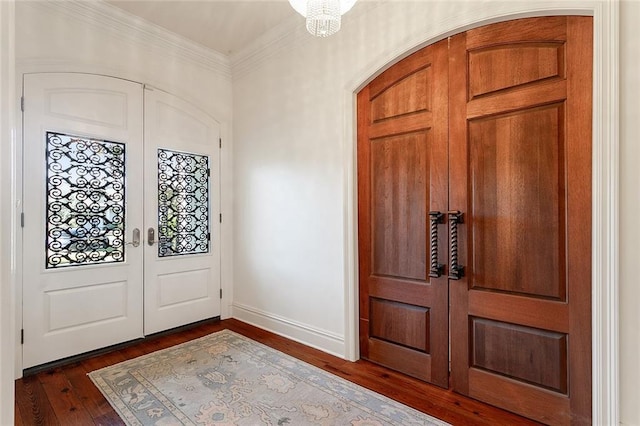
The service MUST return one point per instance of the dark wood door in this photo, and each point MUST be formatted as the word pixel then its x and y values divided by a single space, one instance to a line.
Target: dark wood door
pixel 496 125
pixel 402 176
pixel 520 171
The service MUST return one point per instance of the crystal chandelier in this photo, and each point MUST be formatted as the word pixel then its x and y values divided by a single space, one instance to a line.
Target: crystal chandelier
pixel 323 16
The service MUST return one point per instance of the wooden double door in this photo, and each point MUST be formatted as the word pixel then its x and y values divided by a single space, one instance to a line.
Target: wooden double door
pixel 474 200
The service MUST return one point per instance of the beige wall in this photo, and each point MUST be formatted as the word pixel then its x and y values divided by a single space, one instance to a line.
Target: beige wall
pixel 630 212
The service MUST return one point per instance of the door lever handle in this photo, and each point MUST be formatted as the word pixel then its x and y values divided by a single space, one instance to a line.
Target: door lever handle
pixel 151 236
pixel 136 238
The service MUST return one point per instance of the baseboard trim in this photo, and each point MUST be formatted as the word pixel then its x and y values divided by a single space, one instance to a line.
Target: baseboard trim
pixel 302 333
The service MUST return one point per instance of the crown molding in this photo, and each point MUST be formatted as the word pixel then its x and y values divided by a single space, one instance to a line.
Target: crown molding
pixel 285 36
pixel 126 26
pixel 278 38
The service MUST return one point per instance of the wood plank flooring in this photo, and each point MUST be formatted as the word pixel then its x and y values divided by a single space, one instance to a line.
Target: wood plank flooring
pixel 66 396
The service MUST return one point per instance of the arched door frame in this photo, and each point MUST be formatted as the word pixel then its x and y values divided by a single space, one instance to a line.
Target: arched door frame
pixel 605 183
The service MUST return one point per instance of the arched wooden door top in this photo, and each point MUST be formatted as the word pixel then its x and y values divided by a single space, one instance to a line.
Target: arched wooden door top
pixel 516 142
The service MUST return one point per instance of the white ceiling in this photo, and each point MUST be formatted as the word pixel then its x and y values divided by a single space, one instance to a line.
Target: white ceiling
pixel 226 26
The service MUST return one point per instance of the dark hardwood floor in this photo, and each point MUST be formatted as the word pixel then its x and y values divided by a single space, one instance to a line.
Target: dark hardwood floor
pixel 66 396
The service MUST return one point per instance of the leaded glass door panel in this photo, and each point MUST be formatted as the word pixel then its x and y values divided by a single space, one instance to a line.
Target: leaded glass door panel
pixel 82 270
pixel 182 228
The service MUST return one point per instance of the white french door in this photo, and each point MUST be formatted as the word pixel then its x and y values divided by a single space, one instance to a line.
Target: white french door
pixel 182 250
pixel 99 172
pixel 82 281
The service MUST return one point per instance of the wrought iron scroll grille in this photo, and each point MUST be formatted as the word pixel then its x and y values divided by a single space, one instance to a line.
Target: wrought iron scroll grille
pixel 183 203
pixel 85 211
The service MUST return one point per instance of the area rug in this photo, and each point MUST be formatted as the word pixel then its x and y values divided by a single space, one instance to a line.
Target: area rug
pixel 227 379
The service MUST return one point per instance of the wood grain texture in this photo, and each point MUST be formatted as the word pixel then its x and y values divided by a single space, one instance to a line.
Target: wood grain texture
pixel 526 354
pixel 409 292
pixel 458 200
pixel 399 194
pixel 509 90
pixel 389 319
pixel 507 66
pixel 91 397
pixel 64 401
pixel 517 207
pixel 544 29
pixel 579 149
pixel 409 95
pixel 34 406
pixel 549 315
pixel 18 419
pixel 33 403
pixel 364 217
pixel 402 166
pixel 550 407
pixel 520 166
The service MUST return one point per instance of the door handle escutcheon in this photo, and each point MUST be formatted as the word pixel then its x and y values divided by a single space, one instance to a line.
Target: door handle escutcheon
pixel 151 236
pixel 136 238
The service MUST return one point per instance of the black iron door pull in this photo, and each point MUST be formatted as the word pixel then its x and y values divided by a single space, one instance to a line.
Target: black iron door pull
pixel 435 268
pixel 455 271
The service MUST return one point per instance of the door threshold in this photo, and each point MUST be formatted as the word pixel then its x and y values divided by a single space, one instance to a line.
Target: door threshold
pixel 118 346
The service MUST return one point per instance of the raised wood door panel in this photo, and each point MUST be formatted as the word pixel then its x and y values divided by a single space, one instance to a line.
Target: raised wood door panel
pixel 517 203
pixel 402 167
pixel 520 170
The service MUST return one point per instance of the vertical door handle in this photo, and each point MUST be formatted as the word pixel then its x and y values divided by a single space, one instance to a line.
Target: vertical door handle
pixel 135 238
pixel 455 271
pixel 151 236
pixel 435 268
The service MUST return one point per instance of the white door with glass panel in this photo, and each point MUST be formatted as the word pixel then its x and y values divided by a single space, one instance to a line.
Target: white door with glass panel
pixel 82 202
pixel 85 254
pixel 182 250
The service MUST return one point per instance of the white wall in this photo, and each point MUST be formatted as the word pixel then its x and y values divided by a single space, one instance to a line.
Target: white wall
pixel 93 37
pixel 7 311
pixel 629 212
pixel 293 111
pixel 293 136
pixel 293 141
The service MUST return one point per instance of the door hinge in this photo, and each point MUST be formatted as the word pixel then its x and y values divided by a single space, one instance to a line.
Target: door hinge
pixel 220 293
pixel 22 220
pixel 220 217
pixel 209 237
pixel 22 336
pixel 22 103
pixel 220 141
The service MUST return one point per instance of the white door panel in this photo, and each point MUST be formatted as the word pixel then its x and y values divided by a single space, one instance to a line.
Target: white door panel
pixel 182 268
pixel 90 181
pixel 82 288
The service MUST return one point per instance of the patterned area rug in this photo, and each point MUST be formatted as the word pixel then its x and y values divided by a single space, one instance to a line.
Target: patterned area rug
pixel 227 379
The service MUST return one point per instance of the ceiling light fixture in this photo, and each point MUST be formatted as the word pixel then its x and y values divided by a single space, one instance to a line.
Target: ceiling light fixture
pixel 323 16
